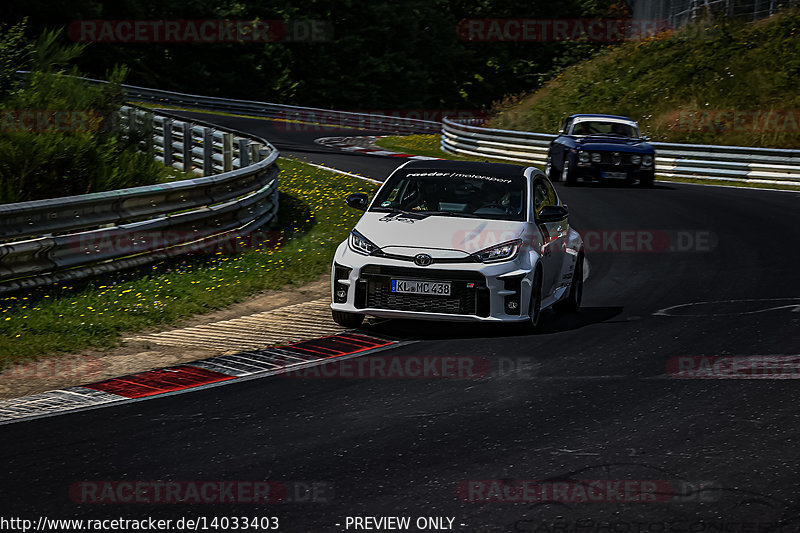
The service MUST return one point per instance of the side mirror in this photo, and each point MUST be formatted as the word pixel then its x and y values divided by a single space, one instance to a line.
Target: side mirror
pixel 552 213
pixel 646 138
pixel 358 200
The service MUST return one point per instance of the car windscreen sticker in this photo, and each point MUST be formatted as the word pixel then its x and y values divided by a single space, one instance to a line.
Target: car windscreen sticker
pixel 457 175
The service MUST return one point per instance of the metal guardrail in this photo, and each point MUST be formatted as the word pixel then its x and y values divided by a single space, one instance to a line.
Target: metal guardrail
pixel 63 239
pixel 773 166
pixel 312 115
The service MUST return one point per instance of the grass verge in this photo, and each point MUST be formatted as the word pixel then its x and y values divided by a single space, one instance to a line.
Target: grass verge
pixel 428 145
pixel 313 220
pixel 711 82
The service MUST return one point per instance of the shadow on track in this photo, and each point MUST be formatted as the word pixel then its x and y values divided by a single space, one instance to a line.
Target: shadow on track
pixel 433 330
pixel 616 185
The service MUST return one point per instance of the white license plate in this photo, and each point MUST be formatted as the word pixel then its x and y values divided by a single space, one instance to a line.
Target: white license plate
pixel 615 175
pixel 412 286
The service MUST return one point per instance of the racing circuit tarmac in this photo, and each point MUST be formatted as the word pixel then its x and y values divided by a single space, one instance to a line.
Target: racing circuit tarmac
pixel 592 398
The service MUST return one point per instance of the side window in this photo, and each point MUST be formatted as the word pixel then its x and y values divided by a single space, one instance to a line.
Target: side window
pixel 567 126
pixel 540 195
pixel 543 194
pixel 552 197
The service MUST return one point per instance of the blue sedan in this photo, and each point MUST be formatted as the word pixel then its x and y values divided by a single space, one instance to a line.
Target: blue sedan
pixel 601 148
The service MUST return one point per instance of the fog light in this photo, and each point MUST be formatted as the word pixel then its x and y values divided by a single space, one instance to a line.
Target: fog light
pixel 511 302
pixel 340 273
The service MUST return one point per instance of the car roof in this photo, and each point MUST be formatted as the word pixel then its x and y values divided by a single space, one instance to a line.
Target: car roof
pixel 475 167
pixel 598 115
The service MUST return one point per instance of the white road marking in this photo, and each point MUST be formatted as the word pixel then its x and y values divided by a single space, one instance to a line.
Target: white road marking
pixel 794 306
pixel 323 167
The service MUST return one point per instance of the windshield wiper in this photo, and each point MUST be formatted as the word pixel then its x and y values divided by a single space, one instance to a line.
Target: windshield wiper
pixel 449 214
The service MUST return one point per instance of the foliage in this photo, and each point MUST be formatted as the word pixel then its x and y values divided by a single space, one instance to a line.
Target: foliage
pixel 686 86
pixel 58 135
pixel 14 50
pixel 382 55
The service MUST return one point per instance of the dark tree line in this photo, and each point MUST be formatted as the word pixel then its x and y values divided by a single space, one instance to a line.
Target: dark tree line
pixel 382 54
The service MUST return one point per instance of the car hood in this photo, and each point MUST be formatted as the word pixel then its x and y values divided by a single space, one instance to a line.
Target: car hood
pixel 391 231
pixel 615 144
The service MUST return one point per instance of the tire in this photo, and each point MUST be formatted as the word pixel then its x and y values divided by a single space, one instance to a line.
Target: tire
pixel 347 320
pixel 567 175
pixel 535 307
pixel 572 302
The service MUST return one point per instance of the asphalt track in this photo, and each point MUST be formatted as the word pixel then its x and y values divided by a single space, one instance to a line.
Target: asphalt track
pixel 588 398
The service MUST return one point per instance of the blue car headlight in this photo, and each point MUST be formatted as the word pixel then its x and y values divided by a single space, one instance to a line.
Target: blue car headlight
pixel 501 252
pixel 647 160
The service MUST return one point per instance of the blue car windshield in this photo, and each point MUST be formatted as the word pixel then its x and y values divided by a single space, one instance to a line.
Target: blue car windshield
pixel 461 194
pixel 598 127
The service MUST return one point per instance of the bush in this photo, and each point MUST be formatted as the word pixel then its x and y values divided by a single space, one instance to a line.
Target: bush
pixel 41 157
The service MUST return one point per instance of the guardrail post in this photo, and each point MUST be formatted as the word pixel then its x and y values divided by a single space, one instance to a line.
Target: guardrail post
pixel 168 141
pixel 208 152
pixel 244 153
pixel 227 152
pixel 187 146
pixel 255 152
pixel 149 136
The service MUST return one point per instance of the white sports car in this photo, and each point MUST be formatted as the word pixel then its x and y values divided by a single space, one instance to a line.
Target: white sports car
pixel 458 241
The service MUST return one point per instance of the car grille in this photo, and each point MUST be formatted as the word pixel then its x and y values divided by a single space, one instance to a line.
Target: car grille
pixel 606 159
pixel 373 291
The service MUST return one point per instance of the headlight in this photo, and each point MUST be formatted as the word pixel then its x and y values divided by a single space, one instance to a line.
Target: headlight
pixel 501 252
pixel 596 157
pixel 636 159
pixel 647 160
pixel 584 157
pixel 359 243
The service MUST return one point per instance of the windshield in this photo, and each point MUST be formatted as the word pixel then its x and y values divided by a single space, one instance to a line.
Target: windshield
pixel 461 194
pixel 598 127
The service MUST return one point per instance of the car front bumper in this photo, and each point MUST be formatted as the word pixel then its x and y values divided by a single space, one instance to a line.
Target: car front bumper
pixel 596 172
pixel 497 292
